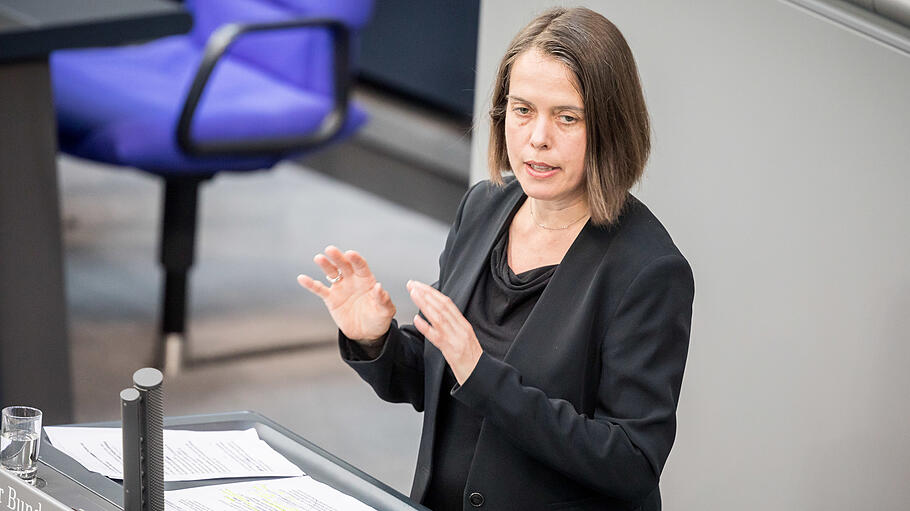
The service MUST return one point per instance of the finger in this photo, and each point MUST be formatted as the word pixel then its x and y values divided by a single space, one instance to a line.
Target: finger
pixel 426 329
pixel 436 316
pixel 330 269
pixel 339 260
pixel 440 300
pixel 313 286
pixel 419 299
pixel 361 269
pixel 446 310
pixel 382 296
pixel 431 291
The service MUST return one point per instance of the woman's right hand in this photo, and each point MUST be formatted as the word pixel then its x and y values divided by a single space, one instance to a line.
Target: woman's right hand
pixel 359 305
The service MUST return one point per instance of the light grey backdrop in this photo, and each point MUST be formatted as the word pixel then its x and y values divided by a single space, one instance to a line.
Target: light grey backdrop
pixel 780 167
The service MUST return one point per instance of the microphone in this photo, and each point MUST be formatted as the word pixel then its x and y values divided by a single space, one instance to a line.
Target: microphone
pixel 142 415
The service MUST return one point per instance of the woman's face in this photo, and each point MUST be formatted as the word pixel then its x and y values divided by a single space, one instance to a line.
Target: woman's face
pixel 545 129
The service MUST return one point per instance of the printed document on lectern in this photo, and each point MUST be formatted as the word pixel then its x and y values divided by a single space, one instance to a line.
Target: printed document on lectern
pixel 188 455
pixel 289 494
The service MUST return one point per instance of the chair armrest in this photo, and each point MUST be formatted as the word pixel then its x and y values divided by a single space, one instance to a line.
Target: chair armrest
pixel 215 48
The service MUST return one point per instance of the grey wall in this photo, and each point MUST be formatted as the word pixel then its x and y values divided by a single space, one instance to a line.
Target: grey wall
pixel 780 167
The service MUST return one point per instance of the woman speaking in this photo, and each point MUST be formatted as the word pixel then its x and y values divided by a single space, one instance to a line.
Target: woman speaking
pixel 548 357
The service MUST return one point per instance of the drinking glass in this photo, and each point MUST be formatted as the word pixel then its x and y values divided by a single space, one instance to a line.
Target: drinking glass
pixel 20 437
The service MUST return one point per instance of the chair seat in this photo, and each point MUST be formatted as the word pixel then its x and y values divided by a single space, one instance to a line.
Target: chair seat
pixel 121 106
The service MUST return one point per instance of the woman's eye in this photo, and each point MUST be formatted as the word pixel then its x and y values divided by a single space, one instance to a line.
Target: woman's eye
pixel 567 119
pixel 521 110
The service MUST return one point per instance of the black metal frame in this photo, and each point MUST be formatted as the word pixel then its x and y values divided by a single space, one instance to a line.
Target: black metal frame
pixel 178 246
pixel 217 46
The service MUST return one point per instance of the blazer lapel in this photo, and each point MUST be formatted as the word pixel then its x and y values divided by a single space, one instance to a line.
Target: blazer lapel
pixel 471 260
pixel 467 265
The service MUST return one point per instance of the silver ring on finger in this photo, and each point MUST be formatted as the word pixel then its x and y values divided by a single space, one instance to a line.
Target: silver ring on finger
pixel 334 279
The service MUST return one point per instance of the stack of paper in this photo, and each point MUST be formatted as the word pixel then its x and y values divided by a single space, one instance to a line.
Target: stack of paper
pixel 290 494
pixel 188 455
pixel 196 455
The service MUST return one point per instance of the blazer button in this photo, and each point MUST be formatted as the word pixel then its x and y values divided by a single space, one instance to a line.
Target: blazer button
pixel 476 499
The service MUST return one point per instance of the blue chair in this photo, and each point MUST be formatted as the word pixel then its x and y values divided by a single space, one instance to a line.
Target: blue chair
pixel 254 82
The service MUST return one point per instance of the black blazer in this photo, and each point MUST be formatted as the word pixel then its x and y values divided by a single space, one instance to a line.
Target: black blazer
pixel 581 413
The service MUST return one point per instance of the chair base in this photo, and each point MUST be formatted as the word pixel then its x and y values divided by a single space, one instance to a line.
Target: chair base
pixel 174 352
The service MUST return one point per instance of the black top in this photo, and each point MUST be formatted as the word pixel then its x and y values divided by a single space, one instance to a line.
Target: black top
pixel 499 306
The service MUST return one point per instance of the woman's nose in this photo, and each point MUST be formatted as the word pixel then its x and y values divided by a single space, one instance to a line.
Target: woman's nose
pixel 540 136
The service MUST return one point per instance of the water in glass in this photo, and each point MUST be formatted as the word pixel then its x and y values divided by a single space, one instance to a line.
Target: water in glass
pixel 19 453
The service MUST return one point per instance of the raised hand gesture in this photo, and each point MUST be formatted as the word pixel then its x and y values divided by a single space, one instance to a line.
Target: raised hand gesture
pixel 359 305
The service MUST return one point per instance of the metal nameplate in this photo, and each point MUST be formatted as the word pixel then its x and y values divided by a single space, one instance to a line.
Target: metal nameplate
pixel 17 495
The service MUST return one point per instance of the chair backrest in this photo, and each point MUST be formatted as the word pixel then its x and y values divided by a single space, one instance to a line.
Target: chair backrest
pixel 302 57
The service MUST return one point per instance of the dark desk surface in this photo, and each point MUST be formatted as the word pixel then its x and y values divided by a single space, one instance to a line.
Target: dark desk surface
pixel 34 28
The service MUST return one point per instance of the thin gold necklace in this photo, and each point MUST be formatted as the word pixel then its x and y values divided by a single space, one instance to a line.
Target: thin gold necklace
pixel 542 226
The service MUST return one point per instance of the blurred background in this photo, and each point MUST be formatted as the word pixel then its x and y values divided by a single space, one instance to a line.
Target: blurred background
pixel 781 142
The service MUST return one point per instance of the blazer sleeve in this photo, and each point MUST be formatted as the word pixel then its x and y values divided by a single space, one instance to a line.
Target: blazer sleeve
pixel 397 373
pixel 620 451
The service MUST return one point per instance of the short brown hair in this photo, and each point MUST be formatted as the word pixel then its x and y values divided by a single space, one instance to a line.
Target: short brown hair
pixel 616 118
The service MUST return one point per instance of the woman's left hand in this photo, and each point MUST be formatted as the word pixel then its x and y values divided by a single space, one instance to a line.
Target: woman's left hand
pixel 447 329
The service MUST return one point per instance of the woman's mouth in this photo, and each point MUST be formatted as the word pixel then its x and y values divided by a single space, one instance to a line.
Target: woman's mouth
pixel 540 170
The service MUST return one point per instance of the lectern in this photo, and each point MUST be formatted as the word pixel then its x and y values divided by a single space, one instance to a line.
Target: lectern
pixel 70 483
